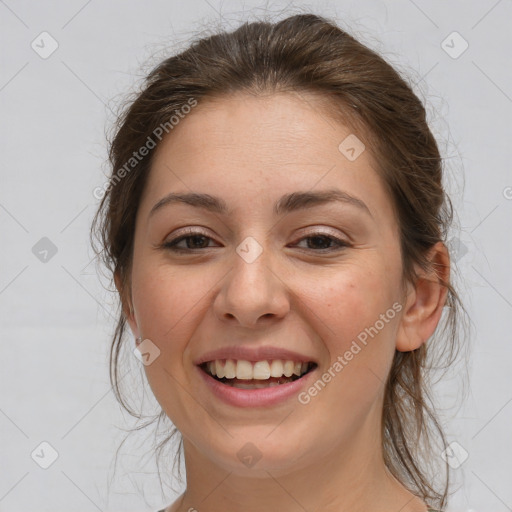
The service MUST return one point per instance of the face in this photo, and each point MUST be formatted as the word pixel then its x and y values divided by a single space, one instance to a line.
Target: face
pixel 319 278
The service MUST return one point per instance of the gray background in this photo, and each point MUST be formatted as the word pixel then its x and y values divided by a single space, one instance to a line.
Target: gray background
pixel 57 315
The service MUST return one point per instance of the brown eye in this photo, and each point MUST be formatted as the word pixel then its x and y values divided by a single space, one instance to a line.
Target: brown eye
pixel 194 240
pixel 320 242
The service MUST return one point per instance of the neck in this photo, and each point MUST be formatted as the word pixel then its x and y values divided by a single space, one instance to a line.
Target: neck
pixel 351 477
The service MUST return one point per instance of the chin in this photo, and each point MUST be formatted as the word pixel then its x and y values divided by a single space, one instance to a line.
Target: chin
pixel 257 457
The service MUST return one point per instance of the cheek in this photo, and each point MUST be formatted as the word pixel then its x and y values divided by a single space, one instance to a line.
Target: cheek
pixel 348 300
pixel 166 301
pixel 352 312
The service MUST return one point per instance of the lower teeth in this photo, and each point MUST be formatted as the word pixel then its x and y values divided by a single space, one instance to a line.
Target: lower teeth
pixel 235 383
pixel 252 386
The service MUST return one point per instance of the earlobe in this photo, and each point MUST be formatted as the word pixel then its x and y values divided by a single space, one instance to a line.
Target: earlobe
pixel 128 311
pixel 425 301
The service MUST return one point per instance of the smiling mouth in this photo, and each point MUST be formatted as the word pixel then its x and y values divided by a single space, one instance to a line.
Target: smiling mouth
pixel 263 381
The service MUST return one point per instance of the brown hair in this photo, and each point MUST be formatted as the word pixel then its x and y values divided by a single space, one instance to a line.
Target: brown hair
pixel 308 53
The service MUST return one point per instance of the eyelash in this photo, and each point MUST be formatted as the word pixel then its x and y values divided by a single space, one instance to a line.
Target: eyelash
pixel 172 244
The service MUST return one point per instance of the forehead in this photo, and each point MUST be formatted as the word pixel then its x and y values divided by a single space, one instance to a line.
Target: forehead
pixel 255 147
pixel 277 127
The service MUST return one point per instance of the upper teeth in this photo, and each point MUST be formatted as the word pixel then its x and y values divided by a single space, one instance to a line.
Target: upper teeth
pixel 261 370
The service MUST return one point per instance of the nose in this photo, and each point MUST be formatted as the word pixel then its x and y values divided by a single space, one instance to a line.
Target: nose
pixel 253 291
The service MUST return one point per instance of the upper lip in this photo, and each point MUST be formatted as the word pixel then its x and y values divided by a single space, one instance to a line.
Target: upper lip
pixel 254 354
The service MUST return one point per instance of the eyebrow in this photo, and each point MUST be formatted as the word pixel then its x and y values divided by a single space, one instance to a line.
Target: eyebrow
pixel 286 204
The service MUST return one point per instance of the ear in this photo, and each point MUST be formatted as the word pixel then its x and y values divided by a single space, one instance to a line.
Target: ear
pixel 425 301
pixel 128 311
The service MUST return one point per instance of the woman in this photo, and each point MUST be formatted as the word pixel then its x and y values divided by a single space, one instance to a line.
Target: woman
pixel 275 225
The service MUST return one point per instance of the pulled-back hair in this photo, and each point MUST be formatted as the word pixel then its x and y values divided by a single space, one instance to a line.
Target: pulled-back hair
pixel 308 53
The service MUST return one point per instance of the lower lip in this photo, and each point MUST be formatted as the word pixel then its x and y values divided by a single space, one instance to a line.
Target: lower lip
pixel 255 397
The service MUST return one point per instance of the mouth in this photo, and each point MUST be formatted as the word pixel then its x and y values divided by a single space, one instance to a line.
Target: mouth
pixel 256 375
